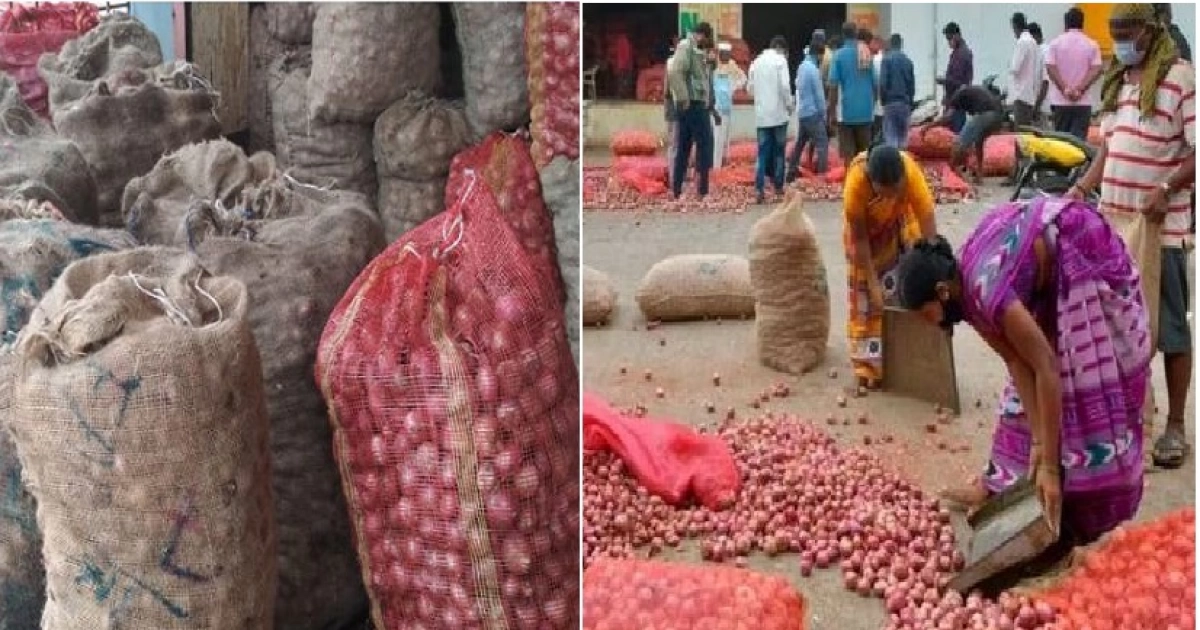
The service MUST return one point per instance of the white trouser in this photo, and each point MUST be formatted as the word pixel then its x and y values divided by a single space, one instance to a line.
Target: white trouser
pixel 721 135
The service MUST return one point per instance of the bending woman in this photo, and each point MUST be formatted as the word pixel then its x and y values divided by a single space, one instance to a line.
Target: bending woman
pixel 1051 288
pixel 888 205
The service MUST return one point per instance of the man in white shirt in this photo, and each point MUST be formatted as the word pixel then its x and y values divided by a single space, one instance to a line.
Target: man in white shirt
pixel 770 85
pixel 1042 106
pixel 1024 81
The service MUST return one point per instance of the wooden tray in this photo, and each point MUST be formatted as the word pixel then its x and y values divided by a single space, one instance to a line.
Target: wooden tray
pixel 1008 531
pixel 918 360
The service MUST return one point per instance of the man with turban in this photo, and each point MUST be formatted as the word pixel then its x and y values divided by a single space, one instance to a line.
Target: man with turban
pixel 1147 164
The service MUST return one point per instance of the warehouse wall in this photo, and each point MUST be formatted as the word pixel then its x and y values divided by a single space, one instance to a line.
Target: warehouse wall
pixel 986 29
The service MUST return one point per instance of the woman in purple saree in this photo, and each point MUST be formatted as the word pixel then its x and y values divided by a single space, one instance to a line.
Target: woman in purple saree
pixel 1050 287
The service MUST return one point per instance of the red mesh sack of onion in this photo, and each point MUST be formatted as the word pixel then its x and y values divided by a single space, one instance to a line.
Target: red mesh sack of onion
pixel 506 166
pixel 454 402
pixel 552 50
pixel 628 594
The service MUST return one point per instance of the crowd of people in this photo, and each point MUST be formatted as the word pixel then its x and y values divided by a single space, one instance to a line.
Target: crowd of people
pixel 1050 284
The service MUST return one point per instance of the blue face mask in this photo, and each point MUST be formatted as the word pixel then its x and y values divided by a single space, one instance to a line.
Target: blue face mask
pixel 1127 53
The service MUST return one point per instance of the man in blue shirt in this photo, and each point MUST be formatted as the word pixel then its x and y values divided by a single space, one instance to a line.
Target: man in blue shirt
pixel 811 107
pixel 897 90
pixel 852 88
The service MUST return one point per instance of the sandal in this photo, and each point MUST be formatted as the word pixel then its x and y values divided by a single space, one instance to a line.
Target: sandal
pixel 1171 450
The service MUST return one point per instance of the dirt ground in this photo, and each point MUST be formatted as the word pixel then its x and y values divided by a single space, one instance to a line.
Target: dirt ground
pixel 626 245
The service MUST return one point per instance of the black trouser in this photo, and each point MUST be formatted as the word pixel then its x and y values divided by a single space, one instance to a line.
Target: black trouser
pixel 694 127
pixel 1023 114
pixel 1072 119
pixel 852 140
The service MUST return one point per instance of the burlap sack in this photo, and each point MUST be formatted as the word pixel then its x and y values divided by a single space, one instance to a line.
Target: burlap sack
pixel 367 56
pixel 264 50
pixel 139 417
pixel 599 297
pixel 1143 239
pixel 417 138
pixel 296 260
pixel 560 189
pixel 333 155
pixel 291 22
pixel 405 204
pixel 155 204
pixel 37 165
pixel 791 291
pixel 22 575
pixel 697 286
pixel 173 107
pixel 120 42
pixel 495 79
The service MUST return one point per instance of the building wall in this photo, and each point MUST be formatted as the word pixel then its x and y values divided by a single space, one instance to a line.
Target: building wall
pixel 159 17
pixel 986 29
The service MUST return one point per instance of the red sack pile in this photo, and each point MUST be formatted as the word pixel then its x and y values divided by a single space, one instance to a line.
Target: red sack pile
pixel 809 164
pixel 651 167
pixel 650 83
pixel 552 50
pixel 643 184
pixel 1139 577
pixel 937 144
pixel 628 594
pixel 454 400
pixel 28 32
pixel 742 153
pixel 836 175
pixel 733 176
pixel 670 460
pixel 950 181
pixel 634 143
pixel 999 155
pixel 507 169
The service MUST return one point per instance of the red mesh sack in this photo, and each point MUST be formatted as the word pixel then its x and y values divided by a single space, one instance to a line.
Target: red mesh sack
pixel 28 32
pixel 650 83
pixel 742 153
pixel 650 167
pixel 937 144
pixel 627 594
pixel 671 460
pixel 999 156
pixel 733 176
pixel 835 175
pixel 636 142
pixel 950 180
pixel 642 183
pixel 454 401
pixel 552 50
pixel 833 160
pixel 506 167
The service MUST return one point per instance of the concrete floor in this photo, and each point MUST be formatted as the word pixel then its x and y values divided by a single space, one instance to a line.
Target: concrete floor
pixel 625 246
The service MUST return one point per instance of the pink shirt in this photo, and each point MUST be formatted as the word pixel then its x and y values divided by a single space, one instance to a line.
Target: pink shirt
pixel 1073 54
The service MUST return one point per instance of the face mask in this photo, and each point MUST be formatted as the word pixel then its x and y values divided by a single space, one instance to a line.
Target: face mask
pixel 1127 53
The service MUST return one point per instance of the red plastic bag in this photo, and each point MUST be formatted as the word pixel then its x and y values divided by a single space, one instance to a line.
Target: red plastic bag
pixel 636 142
pixel 650 167
pixel 552 50
pixel 454 401
pixel 507 168
pixel 629 594
pixel 670 460
pixel 26 33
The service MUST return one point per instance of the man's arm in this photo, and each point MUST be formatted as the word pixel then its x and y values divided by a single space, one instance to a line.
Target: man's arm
pixel 885 74
pixel 1019 58
pixel 678 70
pixel 835 80
pixel 1095 70
pixel 785 84
pixel 755 68
pixel 912 83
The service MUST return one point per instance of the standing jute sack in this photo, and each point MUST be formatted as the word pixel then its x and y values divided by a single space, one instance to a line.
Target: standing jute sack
pixel 495 75
pixel 560 189
pixel 138 414
pixel 697 286
pixel 599 297
pixel 791 291
pixel 22 576
pixel 1144 241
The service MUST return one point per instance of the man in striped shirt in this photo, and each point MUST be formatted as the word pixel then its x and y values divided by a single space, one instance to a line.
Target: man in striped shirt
pixel 1148 165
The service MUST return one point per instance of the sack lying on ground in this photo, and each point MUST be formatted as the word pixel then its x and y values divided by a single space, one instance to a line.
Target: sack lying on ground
pixel 697 286
pixel 37 165
pixel 492 520
pixel 291 22
pixel 338 156
pixel 791 291
pixel 137 373
pixel 599 297
pixel 552 52
pixel 173 107
pixel 29 31
pixel 119 43
pixel 560 189
pixel 367 56
pixel 297 250
pixel 32 254
pixel 495 75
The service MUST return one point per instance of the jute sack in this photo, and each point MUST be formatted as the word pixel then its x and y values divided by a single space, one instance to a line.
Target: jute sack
pixel 418 137
pixel 697 286
pixel 405 204
pixel 367 56
pixel 291 22
pixel 495 77
pixel 38 165
pixel 791 292
pixel 1144 241
pixel 139 418
pixel 264 50
pixel 22 576
pixel 599 297
pixel 173 107
pixel 560 189
pixel 338 156
pixel 120 42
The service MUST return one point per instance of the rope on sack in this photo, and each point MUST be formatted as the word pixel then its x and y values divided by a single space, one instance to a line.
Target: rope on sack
pixel 453 229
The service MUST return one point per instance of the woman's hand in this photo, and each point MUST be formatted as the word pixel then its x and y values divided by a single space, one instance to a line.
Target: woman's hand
pixel 1047 483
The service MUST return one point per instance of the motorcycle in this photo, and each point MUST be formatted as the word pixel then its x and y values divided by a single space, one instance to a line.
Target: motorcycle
pixel 1049 162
